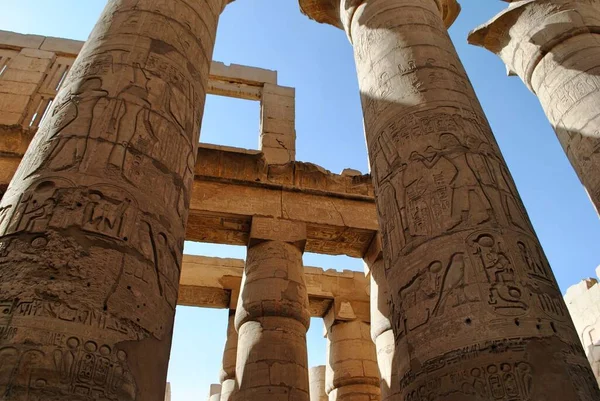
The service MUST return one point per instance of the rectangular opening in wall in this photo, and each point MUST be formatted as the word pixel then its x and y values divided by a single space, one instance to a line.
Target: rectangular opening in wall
pixel 231 122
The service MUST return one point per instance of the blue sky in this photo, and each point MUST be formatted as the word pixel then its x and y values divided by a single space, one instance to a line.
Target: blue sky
pixel 317 61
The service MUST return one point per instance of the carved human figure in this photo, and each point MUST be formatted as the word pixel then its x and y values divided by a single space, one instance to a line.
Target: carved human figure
pixel 77 112
pixel 460 202
pixel 93 224
pixel 468 198
pixel 130 116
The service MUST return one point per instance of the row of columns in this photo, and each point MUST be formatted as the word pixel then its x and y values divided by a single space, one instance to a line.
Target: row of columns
pixel 93 222
pixel 265 353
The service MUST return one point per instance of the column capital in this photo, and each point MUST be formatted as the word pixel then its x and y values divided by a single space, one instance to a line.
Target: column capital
pixel 343 311
pixel 339 13
pixel 269 229
pixel 527 30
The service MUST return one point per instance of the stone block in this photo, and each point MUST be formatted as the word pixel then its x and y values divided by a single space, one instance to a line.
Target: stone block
pixel 34 77
pixel 30 64
pixel 577 290
pixel 62 46
pixel 17 88
pixel 17 40
pixel 14 103
pixel 271 99
pixel 267 229
pixel 275 126
pixel 278 141
pixel 279 156
pixel 235 90
pixel 10 118
pixel 36 53
pixel 279 90
pixel 241 73
pixel 277 112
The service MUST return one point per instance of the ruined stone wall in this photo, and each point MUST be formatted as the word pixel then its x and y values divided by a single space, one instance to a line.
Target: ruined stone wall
pixel 583 302
pixel 33 67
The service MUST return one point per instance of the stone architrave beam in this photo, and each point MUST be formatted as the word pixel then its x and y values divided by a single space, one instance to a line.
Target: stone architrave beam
pixel 232 185
pixel 209 282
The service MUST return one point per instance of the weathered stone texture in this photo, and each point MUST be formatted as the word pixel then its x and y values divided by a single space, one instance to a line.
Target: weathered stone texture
pixel 168 392
pixel 381 326
pixel 316 379
pixel 272 317
pixel 583 301
pixel 215 282
pixel 475 309
pixel 93 223
pixel 554 46
pixel 214 394
pixel 227 376
pixel 352 372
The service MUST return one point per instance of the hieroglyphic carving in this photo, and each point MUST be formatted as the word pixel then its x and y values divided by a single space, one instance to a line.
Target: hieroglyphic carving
pixel 503 291
pixel 450 216
pixel 92 226
pixel 80 368
pixel 16 309
pixel 436 287
pixel 506 381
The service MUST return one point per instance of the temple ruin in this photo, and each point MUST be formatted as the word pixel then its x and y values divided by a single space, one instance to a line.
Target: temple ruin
pixel 103 178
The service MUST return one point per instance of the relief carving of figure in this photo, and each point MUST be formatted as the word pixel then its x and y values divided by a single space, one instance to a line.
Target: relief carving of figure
pixel 73 119
pixel 105 215
pixel 533 263
pixel 453 283
pixel 492 172
pixel 505 292
pixel 469 201
pixel 131 116
pixel 36 207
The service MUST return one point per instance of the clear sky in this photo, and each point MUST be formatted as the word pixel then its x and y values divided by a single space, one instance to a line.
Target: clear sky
pixel 317 61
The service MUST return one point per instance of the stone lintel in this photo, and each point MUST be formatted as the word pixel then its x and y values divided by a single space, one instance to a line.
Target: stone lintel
pixel 269 229
pixel 242 74
pixel 526 31
pixel 213 282
pixel 234 185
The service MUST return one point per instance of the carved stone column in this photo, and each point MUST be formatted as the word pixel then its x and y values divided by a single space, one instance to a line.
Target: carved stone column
pixel 227 377
pixel 554 46
pixel 381 326
pixel 476 311
pixel 352 373
pixel 316 379
pixel 272 315
pixel 92 225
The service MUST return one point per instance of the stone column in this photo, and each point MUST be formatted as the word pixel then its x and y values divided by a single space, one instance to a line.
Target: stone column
pixel 93 223
pixel 476 311
pixel 316 379
pixel 214 394
pixel 381 326
pixel 272 315
pixel 227 375
pixel 554 46
pixel 352 373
